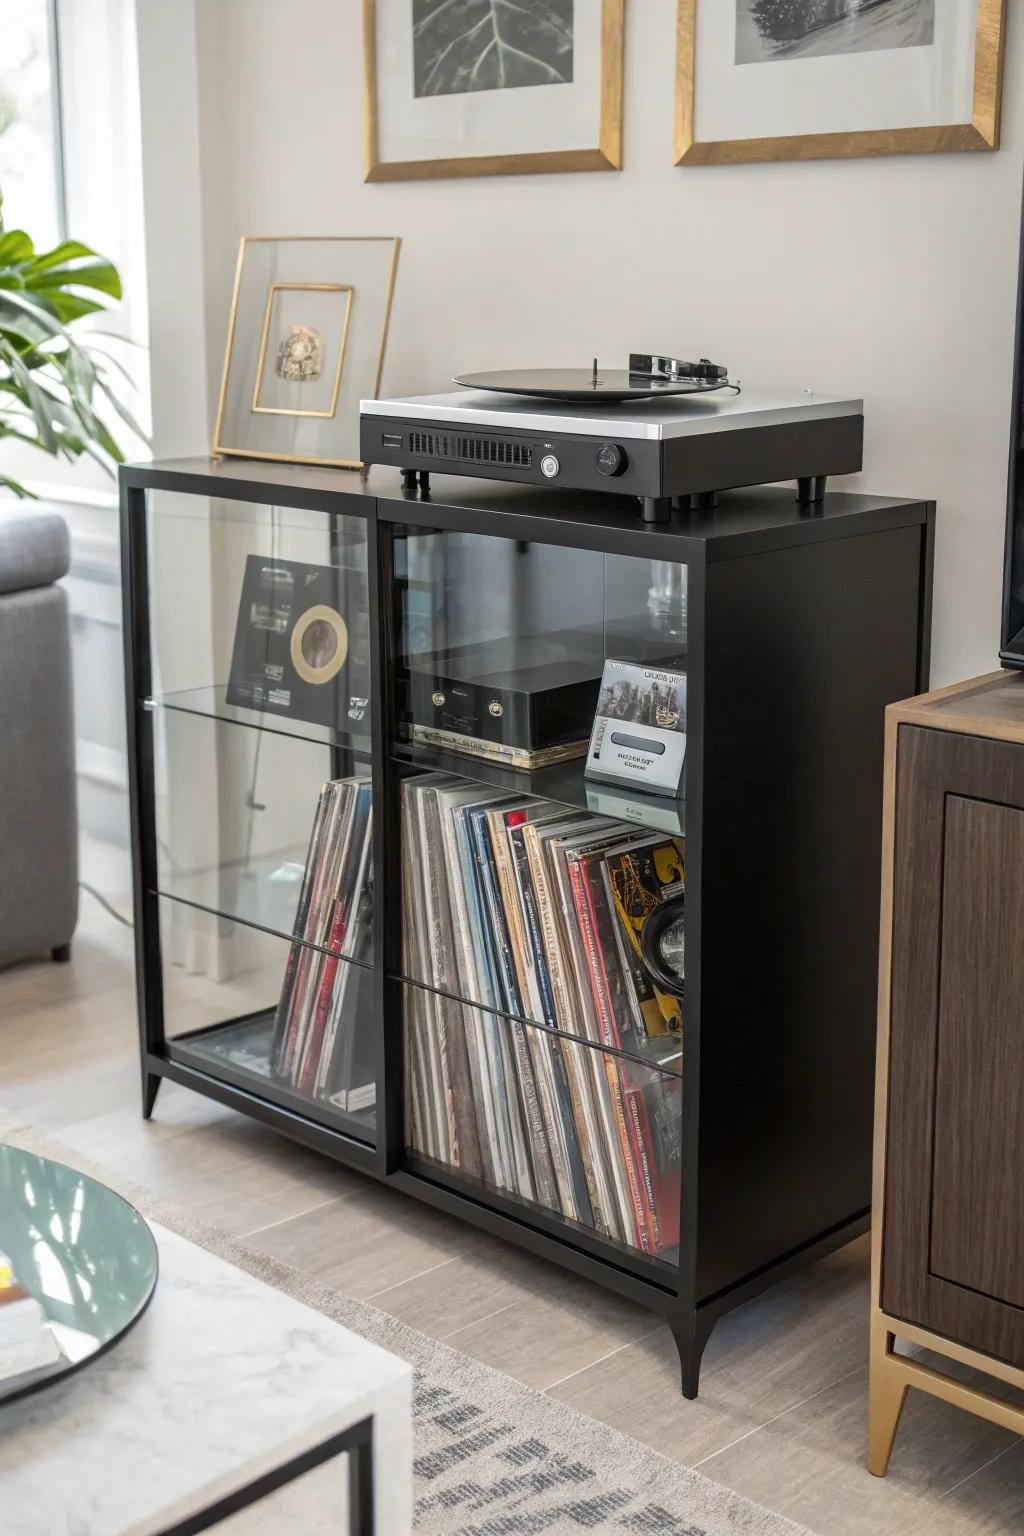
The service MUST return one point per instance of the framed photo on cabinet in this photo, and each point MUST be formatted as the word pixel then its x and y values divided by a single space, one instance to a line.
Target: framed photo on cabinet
pixel 822 79
pixel 491 87
pixel 309 321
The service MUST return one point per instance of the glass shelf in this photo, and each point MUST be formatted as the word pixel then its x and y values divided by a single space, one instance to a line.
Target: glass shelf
pixel 238 1052
pixel 663 1270
pixel 562 782
pixel 212 704
pixel 284 1020
pixel 662 1053
pixel 559 1123
pixel 263 830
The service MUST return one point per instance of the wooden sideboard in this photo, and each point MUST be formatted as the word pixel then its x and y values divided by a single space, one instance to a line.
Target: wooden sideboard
pixel 948 1226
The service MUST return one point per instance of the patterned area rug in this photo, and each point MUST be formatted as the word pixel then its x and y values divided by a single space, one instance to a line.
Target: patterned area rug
pixel 492 1457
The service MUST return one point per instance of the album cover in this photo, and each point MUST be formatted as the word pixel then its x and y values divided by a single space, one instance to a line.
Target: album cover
pixel 302 643
pixel 639 734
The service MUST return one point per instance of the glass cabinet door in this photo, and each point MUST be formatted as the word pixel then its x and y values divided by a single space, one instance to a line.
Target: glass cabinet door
pixel 259 718
pixel 543 1060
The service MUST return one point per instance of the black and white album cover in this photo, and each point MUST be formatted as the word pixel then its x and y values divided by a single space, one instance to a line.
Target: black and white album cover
pixel 302 643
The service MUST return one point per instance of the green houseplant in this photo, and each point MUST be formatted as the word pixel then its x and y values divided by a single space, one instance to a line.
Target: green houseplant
pixel 53 385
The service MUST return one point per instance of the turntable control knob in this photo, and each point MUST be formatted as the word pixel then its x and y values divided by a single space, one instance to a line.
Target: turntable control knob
pixel 610 459
pixel 549 466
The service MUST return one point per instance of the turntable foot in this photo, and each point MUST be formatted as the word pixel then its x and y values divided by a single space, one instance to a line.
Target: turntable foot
pixel 810 489
pixel 657 509
pixel 410 479
pixel 700 501
pixel 424 482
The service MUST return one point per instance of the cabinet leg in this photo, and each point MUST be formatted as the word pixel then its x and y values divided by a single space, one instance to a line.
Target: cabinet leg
pixel 150 1088
pixel 691 1337
pixel 887 1392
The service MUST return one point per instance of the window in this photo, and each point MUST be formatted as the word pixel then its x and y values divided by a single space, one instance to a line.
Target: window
pixel 31 170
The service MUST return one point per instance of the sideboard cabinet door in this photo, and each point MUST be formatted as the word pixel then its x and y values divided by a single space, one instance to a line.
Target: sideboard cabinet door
pixel 953 1234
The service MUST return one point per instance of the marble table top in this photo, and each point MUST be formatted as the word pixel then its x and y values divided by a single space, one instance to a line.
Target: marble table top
pixel 222 1379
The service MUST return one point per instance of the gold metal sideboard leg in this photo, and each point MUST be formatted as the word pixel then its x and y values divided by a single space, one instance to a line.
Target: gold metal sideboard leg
pixel 887 1392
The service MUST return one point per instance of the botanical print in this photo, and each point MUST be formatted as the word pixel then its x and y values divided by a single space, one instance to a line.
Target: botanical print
pixel 490 45
pixel 801 29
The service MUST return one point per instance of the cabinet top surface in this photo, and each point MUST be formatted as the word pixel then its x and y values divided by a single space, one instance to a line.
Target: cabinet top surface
pixel 992 705
pixel 745 520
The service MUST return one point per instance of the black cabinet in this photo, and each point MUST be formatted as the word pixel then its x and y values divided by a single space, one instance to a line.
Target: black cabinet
pixel 687 1168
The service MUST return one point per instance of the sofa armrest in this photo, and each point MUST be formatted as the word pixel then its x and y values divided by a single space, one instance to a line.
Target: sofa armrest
pixel 35 549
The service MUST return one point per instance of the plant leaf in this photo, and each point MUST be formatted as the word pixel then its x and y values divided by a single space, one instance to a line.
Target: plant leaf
pixel 38 401
pixel 68 306
pixel 15 246
pixel 18 489
pixel 100 275
pixel 38 310
pixel 67 250
pixel 122 410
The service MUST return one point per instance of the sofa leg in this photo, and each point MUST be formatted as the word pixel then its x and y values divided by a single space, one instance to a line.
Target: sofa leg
pixel 62 953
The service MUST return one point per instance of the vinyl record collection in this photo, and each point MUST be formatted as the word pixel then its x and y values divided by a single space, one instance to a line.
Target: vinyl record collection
pixel 320 1047
pixel 534 910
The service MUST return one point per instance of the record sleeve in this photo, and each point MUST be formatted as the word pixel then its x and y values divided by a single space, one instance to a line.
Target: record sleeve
pixel 639 734
pixel 302 643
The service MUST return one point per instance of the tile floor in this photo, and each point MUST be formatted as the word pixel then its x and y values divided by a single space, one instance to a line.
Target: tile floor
pixel 783 1406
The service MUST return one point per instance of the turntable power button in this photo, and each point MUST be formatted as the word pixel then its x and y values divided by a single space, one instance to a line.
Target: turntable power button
pixel 549 466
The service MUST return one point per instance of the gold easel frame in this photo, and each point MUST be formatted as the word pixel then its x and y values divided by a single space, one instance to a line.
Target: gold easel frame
pixel 606 156
pixel 891 1375
pixel 219 446
pixel 272 292
pixel 982 132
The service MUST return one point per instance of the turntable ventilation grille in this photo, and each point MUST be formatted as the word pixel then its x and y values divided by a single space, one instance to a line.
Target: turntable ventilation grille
pixel 472 450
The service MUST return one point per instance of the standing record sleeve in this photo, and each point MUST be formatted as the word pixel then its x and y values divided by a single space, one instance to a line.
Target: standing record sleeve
pixel 302 643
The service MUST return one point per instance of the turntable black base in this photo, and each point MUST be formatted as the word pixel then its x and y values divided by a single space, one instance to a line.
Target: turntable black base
pixel 670 454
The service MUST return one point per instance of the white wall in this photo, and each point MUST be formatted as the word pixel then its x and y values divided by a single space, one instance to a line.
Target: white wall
pixel 893 278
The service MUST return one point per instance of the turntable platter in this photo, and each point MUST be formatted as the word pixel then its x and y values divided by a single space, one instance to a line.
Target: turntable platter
pixel 580 384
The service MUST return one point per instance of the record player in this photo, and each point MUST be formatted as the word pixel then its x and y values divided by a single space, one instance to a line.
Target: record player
pixel 669 433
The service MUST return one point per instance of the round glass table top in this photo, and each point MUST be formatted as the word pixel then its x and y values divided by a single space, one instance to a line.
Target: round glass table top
pixel 82 1252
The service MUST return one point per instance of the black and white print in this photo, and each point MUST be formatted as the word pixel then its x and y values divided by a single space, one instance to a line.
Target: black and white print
pixel 767 30
pixel 490 45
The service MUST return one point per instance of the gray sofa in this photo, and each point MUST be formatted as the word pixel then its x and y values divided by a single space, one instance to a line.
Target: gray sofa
pixel 38 818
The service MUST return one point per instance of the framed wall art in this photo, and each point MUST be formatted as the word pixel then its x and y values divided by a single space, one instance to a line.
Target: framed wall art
pixel 818 79
pixel 491 87
pixel 309 321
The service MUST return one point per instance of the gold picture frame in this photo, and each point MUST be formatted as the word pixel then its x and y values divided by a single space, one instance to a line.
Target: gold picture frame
pixel 272 292
pixel 982 132
pixel 606 155
pixel 247 451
